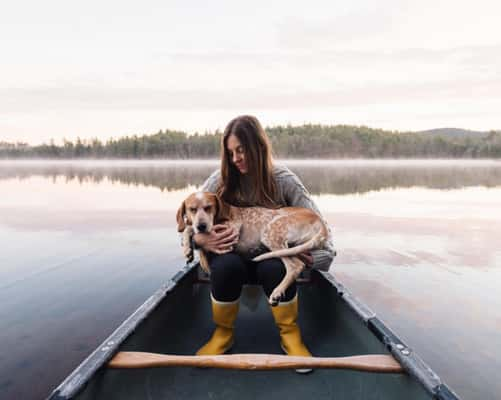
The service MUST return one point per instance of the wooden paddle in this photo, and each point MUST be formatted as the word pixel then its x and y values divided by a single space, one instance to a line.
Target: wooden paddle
pixel 369 363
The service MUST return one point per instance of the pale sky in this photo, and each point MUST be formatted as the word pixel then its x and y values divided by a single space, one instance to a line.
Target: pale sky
pixel 115 68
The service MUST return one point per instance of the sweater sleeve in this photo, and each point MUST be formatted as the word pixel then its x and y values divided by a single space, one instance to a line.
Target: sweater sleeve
pixel 296 195
pixel 211 183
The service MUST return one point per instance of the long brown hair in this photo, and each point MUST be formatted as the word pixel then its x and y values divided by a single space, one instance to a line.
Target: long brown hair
pixel 259 160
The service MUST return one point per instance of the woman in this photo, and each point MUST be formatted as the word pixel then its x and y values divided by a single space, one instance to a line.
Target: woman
pixel 249 178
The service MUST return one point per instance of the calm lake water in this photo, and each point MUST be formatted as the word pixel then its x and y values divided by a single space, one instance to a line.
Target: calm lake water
pixel 83 244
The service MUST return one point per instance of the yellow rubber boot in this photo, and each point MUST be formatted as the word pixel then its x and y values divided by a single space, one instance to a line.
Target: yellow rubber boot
pixel 224 315
pixel 285 315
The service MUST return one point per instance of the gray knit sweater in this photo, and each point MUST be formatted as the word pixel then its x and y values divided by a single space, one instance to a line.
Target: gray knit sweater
pixel 291 193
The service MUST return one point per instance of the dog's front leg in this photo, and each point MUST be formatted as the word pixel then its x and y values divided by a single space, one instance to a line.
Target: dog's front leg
pixel 293 267
pixel 204 262
pixel 187 249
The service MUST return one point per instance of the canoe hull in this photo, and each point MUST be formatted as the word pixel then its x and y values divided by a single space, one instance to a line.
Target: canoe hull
pixel 333 324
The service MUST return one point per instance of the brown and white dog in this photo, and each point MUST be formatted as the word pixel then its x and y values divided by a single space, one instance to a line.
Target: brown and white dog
pixel 286 232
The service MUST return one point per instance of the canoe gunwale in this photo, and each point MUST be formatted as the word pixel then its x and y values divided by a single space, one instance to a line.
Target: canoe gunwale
pixel 104 352
pixel 410 361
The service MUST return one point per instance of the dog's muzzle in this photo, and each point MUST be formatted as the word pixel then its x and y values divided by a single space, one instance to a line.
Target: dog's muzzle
pixel 202 227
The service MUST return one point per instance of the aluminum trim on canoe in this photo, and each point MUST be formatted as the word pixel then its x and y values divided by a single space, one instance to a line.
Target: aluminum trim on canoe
pixel 406 356
pixel 79 377
pixel 411 362
pixel 444 393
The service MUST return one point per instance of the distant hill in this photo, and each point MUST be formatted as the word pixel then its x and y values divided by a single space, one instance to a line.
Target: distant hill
pixel 455 133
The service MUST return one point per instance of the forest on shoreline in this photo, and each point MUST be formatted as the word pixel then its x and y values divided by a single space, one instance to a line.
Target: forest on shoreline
pixel 306 141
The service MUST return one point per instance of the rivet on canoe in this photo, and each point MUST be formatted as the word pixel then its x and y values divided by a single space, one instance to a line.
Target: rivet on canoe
pixel 110 343
pixel 400 346
pixel 406 352
pixel 105 348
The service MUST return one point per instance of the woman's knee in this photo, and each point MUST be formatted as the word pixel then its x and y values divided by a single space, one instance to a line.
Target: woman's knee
pixel 272 269
pixel 227 266
pixel 228 274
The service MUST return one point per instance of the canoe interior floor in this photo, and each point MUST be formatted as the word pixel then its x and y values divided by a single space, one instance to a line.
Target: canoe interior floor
pixel 182 323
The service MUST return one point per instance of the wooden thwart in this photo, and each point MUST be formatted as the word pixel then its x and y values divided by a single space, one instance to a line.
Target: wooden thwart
pixel 368 363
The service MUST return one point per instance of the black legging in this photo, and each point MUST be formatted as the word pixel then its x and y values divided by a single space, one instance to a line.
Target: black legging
pixel 230 271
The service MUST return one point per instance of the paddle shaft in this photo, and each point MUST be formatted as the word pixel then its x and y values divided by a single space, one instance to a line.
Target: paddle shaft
pixel 368 363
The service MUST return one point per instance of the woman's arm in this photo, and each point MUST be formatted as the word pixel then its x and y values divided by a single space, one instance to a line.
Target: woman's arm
pixel 212 182
pixel 296 195
pixel 220 240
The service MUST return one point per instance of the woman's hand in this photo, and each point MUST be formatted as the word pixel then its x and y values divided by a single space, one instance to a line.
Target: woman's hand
pixel 219 240
pixel 307 258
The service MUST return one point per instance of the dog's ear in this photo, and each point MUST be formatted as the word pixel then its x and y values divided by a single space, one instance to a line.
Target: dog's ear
pixel 181 225
pixel 223 210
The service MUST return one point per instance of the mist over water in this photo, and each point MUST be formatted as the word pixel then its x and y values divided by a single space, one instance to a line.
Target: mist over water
pixel 322 176
pixel 85 243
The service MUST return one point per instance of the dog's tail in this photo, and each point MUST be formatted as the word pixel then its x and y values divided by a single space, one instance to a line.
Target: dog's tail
pixel 315 242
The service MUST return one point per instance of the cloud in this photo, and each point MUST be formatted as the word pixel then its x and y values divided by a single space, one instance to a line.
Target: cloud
pixel 15 100
pixel 456 57
pixel 342 29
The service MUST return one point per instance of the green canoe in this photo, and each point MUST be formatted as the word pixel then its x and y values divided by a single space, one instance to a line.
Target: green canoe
pixel 177 320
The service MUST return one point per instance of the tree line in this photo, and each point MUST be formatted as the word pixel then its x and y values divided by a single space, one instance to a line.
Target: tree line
pixel 306 141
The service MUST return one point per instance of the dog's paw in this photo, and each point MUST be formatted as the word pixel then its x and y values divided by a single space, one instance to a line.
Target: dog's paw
pixel 188 253
pixel 276 297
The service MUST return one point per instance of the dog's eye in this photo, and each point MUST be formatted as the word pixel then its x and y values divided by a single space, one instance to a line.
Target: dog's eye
pixel 207 208
pixel 193 210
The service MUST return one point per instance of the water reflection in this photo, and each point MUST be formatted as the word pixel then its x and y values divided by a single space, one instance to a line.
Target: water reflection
pixel 322 177
pixel 84 243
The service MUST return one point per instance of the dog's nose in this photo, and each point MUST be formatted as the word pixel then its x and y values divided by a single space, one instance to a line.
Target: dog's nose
pixel 202 227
